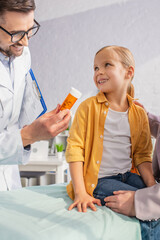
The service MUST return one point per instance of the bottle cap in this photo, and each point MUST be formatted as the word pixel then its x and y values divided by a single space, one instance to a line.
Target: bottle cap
pixel 75 93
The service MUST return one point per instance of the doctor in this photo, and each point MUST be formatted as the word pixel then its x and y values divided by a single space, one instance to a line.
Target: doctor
pixel 17 26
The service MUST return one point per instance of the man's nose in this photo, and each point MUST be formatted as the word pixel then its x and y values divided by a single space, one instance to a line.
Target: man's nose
pixel 24 40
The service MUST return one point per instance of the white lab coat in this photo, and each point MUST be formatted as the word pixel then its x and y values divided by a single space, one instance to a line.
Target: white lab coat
pixel 12 152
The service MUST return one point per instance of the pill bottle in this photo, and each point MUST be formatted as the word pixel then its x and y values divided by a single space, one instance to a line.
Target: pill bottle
pixel 72 97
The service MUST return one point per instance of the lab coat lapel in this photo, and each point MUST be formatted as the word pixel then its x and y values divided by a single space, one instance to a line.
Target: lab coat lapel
pixel 4 78
pixel 19 84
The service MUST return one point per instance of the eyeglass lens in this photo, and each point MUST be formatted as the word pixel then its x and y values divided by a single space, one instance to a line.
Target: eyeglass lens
pixel 17 37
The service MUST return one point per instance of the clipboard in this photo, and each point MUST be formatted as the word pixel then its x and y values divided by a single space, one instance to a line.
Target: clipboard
pixel 33 105
pixel 38 92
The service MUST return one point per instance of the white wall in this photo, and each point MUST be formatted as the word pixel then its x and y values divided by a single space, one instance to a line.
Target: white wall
pixel 69 7
pixel 73 30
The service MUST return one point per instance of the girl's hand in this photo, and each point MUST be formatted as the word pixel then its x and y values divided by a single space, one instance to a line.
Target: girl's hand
pixel 83 201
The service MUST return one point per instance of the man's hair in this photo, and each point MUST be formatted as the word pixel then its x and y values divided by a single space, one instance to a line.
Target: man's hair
pixel 23 6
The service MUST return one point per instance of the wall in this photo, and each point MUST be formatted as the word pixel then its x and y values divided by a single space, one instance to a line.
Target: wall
pixel 71 33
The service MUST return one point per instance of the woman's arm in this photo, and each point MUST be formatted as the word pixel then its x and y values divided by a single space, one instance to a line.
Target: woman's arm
pixel 147 203
pixel 82 199
pixel 154 121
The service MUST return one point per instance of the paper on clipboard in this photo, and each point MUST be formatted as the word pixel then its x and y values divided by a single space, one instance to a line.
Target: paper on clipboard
pixel 33 105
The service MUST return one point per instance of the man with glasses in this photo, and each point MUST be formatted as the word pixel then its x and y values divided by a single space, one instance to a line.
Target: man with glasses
pixel 18 35
pixel 17 26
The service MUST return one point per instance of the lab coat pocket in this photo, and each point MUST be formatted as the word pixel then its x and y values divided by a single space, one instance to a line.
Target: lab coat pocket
pixel 6 106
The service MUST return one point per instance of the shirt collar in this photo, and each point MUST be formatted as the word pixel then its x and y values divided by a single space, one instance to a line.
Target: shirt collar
pixel 101 98
pixel 130 100
pixel 5 59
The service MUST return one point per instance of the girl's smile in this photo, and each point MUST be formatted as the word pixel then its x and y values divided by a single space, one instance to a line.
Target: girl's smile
pixel 102 81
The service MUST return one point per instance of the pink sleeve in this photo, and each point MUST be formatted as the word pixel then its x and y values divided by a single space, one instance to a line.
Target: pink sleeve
pixel 154 123
pixel 147 203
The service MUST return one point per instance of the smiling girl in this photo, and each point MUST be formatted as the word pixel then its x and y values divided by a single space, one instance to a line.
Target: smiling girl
pixel 109 135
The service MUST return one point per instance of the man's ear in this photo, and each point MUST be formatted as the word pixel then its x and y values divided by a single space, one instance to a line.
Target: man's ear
pixel 130 72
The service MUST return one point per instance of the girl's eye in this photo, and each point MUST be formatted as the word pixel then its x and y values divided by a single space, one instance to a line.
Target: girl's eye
pixel 96 69
pixel 107 64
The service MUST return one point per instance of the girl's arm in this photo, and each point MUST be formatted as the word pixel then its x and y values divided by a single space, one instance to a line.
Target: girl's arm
pixel 143 152
pixel 145 170
pixel 82 199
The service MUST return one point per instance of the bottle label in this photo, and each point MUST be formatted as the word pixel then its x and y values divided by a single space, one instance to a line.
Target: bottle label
pixel 68 102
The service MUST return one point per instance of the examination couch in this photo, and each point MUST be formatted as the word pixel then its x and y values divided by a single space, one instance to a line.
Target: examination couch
pixel 40 213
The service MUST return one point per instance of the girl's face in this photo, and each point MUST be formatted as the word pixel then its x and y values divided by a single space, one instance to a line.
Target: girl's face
pixel 109 73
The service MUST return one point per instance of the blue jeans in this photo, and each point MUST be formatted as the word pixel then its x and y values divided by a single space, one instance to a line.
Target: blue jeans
pixel 107 185
pixel 150 230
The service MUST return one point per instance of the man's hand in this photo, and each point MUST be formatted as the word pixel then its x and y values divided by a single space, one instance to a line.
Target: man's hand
pixel 46 126
pixel 83 201
pixel 122 202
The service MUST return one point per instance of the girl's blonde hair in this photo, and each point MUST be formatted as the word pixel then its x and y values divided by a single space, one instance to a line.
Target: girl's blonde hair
pixel 126 58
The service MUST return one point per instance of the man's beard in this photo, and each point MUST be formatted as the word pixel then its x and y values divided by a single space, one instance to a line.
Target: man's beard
pixel 8 52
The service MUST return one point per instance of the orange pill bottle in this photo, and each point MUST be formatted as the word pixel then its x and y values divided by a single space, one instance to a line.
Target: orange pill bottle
pixel 72 97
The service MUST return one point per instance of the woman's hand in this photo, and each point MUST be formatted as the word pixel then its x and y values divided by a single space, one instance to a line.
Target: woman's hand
pixel 139 104
pixel 122 202
pixel 83 201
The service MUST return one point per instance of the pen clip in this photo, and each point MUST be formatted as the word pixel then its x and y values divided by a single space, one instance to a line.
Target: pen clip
pixel 36 90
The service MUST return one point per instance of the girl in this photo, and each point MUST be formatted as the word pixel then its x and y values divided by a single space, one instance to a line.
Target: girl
pixel 109 134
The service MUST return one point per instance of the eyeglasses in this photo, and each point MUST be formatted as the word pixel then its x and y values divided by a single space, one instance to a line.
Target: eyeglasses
pixel 16 37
